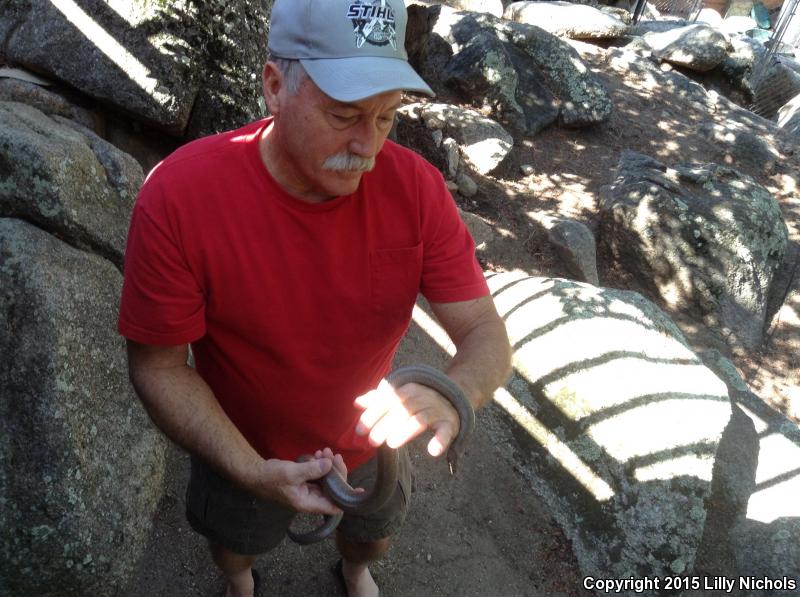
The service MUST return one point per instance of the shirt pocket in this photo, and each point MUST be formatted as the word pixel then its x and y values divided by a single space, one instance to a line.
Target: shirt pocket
pixel 395 276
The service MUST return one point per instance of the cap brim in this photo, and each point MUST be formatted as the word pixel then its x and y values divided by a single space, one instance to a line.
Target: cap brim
pixel 360 77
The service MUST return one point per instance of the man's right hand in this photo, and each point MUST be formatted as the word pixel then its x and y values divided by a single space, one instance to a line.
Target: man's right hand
pixel 291 483
pixel 183 406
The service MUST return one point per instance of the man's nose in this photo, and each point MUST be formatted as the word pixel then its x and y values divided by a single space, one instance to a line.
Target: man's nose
pixel 366 140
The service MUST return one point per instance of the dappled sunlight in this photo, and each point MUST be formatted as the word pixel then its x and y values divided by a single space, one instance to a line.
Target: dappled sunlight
pixel 599 339
pixel 614 375
pixel 433 329
pixel 571 193
pixel 528 305
pixel 676 466
pixel 610 425
pixel 484 153
pixel 777 481
pixel 596 387
pixel 558 449
pixel 578 65
pixel 621 385
pixel 663 427
pixel 776 496
pixel 120 56
pixel 539 432
pixel 133 13
pixel 723 212
pixel 627 61
pixel 663 229
pixel 184 68
pixel 787 186
pixel 505 232
pixel 665 126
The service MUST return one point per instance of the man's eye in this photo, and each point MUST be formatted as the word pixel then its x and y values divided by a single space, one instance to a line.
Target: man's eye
pixel 341 119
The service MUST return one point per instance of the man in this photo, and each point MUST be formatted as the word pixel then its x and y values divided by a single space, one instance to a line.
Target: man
pixel 288 254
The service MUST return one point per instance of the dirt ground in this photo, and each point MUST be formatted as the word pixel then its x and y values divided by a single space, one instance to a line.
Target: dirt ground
pixel 484 532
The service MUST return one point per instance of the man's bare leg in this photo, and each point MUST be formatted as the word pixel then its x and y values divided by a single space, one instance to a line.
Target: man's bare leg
pixel 237 568
pixel 356 558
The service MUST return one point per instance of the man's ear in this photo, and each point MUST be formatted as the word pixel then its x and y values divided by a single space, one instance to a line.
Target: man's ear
pixel 272 83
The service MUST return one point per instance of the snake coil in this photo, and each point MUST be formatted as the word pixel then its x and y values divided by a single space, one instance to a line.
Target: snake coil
pixel 351 501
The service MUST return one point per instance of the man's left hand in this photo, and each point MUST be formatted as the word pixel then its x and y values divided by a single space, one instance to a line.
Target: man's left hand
pixel 398 416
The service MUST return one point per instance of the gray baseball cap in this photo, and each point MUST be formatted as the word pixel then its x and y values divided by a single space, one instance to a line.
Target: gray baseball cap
pixel 352 49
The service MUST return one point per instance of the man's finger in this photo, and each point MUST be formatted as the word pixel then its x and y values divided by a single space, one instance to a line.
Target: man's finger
pixel 308 471
pixel 441 440
pixel 383 390
pixel 393 419
pixel 405 431
pixel 316 503
pixel 339 465
pixel 378 409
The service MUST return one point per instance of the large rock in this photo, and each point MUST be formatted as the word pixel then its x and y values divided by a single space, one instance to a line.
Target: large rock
pixel 789 116
pixel 575 245
pixel 66 179
pixel 646 26
pixel 231 39
pixel 80 465
pixel 484 73
pixel 735 25
pixel 493 7
pixel 709 16
pixel 146 146
pixel 705 238
pixel 495 75
pixel 418 31
pixel 26 92
pixel 769 551
pixel 696 47
pixel 540 106
pixel 584 100
pixel 737 145
pixel 482 142
pixel 753 531
pixel 565 19
pixel 737 66
pixel 628 61
pixel 740 7
pixel 177 65
pixel 632 419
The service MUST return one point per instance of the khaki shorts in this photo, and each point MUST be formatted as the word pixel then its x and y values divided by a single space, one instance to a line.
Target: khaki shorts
pixel 230 516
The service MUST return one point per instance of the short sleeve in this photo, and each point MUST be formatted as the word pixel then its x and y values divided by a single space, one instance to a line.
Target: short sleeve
pixel 450 270
pixel 162 302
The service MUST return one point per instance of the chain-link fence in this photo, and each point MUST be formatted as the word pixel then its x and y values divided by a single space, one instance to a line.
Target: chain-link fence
pixel 775 78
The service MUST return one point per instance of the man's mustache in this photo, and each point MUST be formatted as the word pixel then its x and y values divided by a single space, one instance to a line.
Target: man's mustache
pixel 349 162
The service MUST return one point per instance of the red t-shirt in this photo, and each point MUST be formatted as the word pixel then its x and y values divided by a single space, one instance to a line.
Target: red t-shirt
pixel 292 309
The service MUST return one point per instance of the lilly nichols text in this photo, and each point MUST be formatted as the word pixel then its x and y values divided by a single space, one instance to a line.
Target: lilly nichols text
pixel 688 583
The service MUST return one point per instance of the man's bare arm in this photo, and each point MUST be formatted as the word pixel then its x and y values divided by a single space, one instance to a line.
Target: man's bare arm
pixel 183 406
pixel 482 363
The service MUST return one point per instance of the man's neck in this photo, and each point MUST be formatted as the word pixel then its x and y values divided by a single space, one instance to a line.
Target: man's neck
pixel 277 165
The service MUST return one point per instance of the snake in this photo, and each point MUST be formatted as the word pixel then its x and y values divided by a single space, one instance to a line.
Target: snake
pixel 350 501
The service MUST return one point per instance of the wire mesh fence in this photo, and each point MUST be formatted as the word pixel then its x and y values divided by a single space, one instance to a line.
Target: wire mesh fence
pixel 774 80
